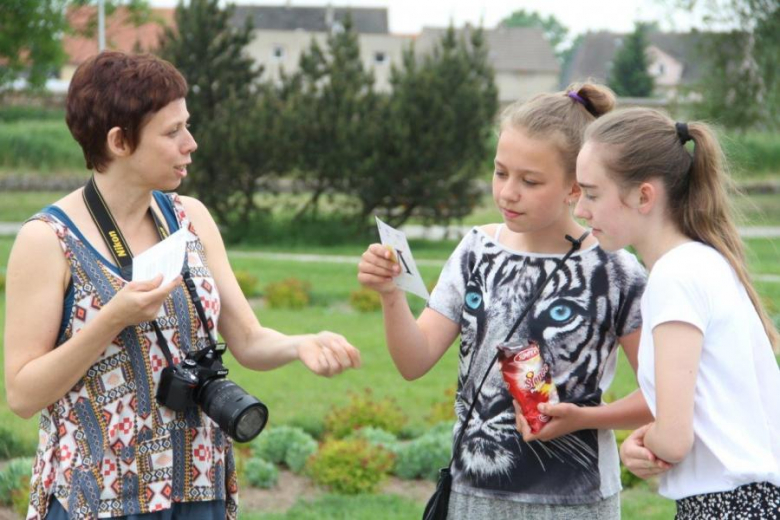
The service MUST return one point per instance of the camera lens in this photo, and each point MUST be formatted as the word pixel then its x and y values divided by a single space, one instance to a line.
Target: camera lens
pixel 239 414
pixel 250 423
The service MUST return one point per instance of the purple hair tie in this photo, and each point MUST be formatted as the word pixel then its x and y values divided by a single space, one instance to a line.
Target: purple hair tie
pixel 576 97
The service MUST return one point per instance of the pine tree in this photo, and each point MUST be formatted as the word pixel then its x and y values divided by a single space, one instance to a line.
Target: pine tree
pixel 229 110
pixel 331 110
pixel 628 76
pixel 435 134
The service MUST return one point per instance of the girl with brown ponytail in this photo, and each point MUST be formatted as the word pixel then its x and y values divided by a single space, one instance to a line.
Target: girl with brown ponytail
pixel 706 366
pixel 570 468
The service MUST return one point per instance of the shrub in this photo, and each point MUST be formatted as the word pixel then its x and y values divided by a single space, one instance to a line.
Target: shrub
pixel 627 478
pixel 298 454
pixel 285 444
pixel 350 467
pixel 443 410
pixel 288 294
pixel 11 445
pixel 362 411
pixel 313 425
pixel 261 473
pixel 365 300
pixel 15 484
pixel 377 437
pixel 424 456
pixel 247 281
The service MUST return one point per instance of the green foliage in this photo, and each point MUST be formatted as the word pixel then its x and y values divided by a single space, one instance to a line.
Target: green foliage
pixel 333 114
pixel 377 437
pixel 350 467
pixel 30 45
pixel 435 133
pixel 247 281
pixel 2 289
pixel 11 444
pixel 13 113
pixel 288 294
pixel 284 444
pixel 741 84
pixel 363 410
pixel 752 152
pixel 628 76
pixel 424 456
pixel 261 473
pixel 365 300
pixel 444 410
pixel 554 30
pixel 15 484
pixel 341 507
pixel 39 144
pixel 311 424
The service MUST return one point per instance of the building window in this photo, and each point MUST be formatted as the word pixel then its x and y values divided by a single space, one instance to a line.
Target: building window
pixel 278 52
pixel 380 57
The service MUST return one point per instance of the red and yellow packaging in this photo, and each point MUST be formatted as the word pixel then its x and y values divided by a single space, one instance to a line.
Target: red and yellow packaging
pixel 529 380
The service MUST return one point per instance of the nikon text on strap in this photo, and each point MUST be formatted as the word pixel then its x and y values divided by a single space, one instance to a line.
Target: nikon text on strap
pixel 108 227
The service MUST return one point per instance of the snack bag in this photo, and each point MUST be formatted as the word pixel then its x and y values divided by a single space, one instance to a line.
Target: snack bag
pixel 529 380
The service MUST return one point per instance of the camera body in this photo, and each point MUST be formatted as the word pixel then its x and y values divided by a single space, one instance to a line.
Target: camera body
pixel 201 379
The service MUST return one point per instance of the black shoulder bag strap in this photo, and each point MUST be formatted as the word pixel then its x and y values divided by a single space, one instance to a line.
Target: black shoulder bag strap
pixel 436 508
pixel 123 256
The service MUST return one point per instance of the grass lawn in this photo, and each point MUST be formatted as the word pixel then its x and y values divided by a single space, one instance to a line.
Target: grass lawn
pixel 294 395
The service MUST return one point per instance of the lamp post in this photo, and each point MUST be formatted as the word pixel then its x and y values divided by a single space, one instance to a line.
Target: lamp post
pixel 101 26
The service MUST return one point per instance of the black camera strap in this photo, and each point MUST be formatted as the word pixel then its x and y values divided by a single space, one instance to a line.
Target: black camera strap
pixel 123 256
pixel 108 227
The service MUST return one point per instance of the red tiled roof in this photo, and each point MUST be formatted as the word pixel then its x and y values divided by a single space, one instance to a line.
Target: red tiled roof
pixel 121 34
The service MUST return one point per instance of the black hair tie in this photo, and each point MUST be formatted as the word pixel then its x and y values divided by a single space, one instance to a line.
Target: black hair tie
pixel 682 133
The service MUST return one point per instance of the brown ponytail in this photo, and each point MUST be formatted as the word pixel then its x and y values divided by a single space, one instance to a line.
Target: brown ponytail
pixel 561 118
pixel 646 145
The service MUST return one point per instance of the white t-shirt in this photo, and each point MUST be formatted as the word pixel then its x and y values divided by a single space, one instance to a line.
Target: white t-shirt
pixel 736 416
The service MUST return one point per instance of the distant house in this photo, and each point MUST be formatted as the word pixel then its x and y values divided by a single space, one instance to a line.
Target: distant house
pixel 283 33
pixel 121 35
pixel 523 60
pixel 673 60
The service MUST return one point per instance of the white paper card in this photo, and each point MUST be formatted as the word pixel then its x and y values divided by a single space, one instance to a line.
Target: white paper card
pixel 409 280
pixel 165 257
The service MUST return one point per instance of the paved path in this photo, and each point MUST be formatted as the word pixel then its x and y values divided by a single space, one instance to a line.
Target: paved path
pixel 455 232
pixel 11 228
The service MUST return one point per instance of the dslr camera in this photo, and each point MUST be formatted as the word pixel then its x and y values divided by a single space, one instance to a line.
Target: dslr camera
pixel 200 379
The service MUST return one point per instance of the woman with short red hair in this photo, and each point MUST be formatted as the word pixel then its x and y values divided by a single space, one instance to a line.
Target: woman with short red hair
pixel 100 343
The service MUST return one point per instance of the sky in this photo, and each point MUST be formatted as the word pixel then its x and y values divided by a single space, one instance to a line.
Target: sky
pixel 579 16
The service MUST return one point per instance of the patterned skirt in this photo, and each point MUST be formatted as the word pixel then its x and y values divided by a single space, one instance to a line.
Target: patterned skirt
pixel 748 502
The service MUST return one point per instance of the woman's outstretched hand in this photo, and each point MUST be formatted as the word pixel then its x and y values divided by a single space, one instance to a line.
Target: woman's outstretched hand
pixel 327 354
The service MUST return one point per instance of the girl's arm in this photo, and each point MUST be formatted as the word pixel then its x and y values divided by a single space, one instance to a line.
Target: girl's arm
pixel 414 345
pixel 627 413
pixel 35 288
pixel 255 346
pixel 677 353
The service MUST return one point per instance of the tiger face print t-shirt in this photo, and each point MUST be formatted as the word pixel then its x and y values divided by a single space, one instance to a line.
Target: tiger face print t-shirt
pixel 590 303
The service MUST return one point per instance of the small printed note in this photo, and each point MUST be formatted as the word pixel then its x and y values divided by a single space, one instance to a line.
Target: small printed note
pixel 165 258
pixel 409 280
